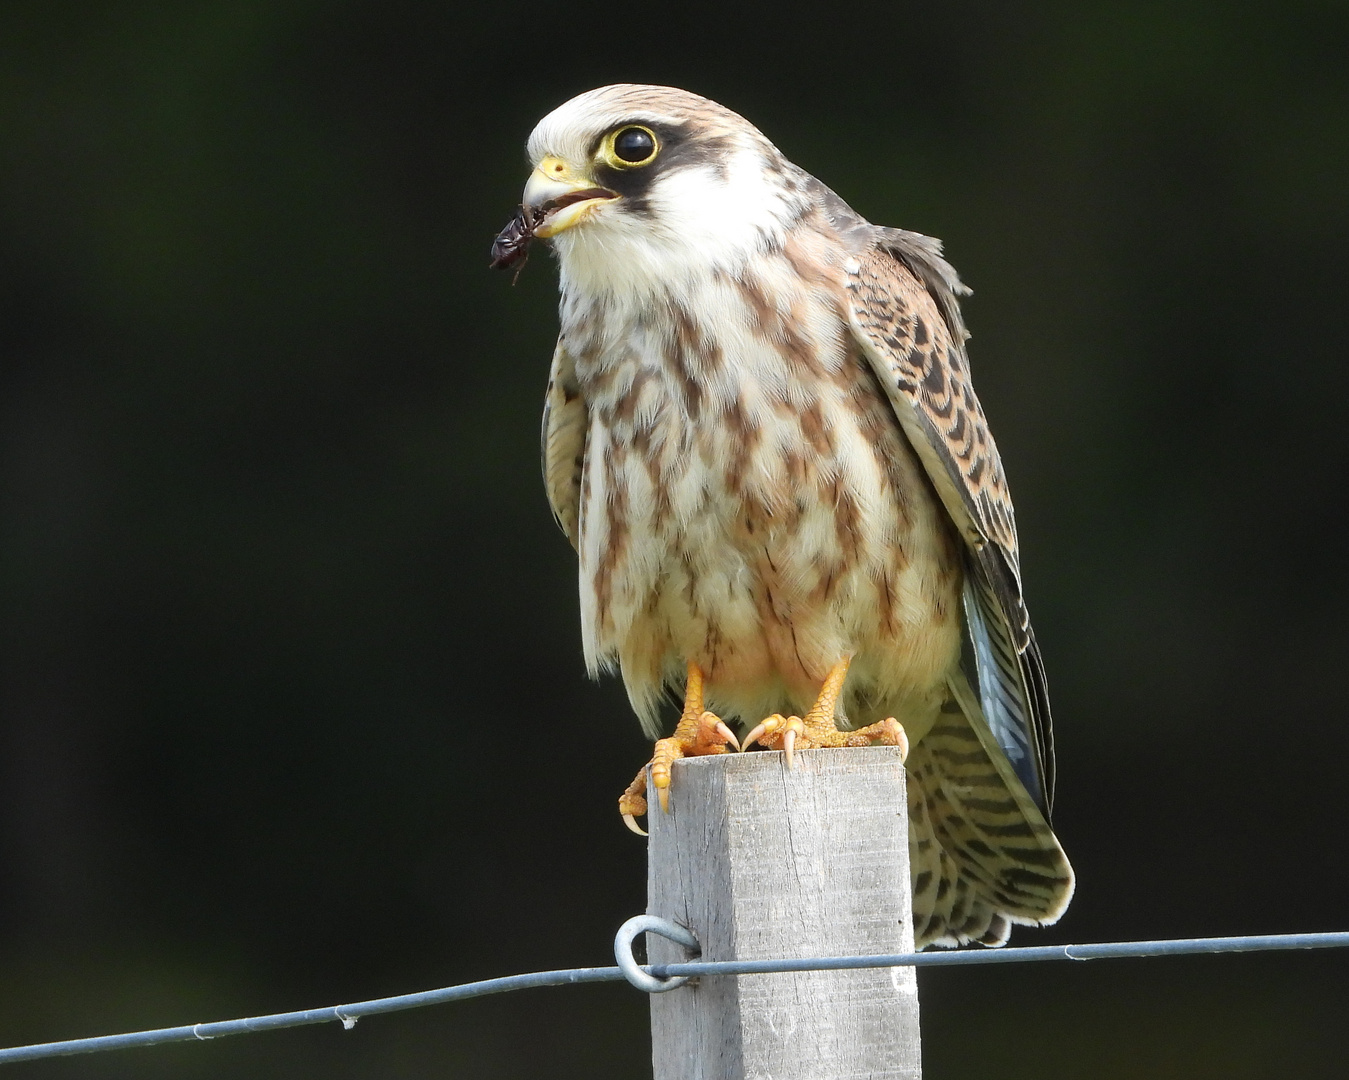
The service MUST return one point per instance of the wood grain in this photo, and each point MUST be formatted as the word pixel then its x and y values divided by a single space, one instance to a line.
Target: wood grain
pixel 762 863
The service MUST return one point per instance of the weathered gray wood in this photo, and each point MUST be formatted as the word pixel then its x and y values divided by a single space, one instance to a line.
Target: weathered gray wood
pixel 761 863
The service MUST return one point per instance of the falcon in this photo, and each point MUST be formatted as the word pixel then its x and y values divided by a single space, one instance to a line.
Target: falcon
pixel 761 438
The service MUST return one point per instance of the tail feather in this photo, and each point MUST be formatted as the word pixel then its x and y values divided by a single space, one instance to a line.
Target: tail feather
pixel 981 854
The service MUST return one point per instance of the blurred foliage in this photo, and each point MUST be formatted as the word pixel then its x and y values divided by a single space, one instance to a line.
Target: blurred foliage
pixel 292 707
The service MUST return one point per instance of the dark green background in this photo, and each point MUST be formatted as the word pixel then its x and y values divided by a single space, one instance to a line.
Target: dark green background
pixel 293 704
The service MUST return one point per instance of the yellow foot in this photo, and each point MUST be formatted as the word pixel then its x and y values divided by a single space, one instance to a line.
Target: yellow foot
pixel 817 727
pixel 698 732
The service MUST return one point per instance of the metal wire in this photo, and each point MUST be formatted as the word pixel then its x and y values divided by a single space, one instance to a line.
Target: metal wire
pixel 347 1015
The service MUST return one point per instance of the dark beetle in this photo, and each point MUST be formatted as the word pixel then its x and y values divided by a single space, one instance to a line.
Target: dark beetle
pixel 511 247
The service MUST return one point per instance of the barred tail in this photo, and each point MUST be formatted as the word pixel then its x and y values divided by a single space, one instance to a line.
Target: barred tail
pixel 981 854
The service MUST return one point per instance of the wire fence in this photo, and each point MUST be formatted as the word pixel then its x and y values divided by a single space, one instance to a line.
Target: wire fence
pixel 656 978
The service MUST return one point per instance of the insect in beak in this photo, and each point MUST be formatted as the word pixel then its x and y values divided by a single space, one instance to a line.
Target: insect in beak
pixel 511 247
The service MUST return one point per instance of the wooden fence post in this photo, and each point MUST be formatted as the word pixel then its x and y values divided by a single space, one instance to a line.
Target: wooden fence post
pixel 763 863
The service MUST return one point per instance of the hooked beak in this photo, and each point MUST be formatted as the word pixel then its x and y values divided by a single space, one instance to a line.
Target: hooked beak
pixel 559 199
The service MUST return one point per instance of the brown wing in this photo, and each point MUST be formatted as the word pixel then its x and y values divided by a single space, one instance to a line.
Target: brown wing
pixel 562 443
pixel 904 312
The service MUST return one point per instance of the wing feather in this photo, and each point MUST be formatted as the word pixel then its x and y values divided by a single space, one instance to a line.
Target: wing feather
pixel 562 442
pixel 905 313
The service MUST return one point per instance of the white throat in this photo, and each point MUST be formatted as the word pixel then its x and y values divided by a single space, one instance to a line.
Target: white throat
pixel 698 221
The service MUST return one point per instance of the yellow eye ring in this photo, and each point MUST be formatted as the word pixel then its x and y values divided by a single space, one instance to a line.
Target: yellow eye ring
pixel 630 147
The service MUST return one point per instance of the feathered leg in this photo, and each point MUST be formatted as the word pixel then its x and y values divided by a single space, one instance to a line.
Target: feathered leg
pixel 818 727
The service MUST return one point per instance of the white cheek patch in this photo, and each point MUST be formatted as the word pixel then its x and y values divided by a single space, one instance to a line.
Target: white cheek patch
pixel 722 212
pixel 698 220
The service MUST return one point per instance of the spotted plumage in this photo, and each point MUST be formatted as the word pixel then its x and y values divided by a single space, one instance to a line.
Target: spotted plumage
pixel 761 437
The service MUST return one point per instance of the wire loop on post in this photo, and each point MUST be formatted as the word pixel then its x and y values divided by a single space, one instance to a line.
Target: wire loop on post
pixel 627 963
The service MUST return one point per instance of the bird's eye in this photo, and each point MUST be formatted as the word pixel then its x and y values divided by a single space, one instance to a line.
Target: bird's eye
pixel 632 146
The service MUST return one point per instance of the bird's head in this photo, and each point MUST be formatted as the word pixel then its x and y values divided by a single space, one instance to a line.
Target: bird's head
pixel 636 185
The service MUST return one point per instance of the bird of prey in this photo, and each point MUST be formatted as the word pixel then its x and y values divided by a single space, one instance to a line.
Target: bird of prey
pixel 761 438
